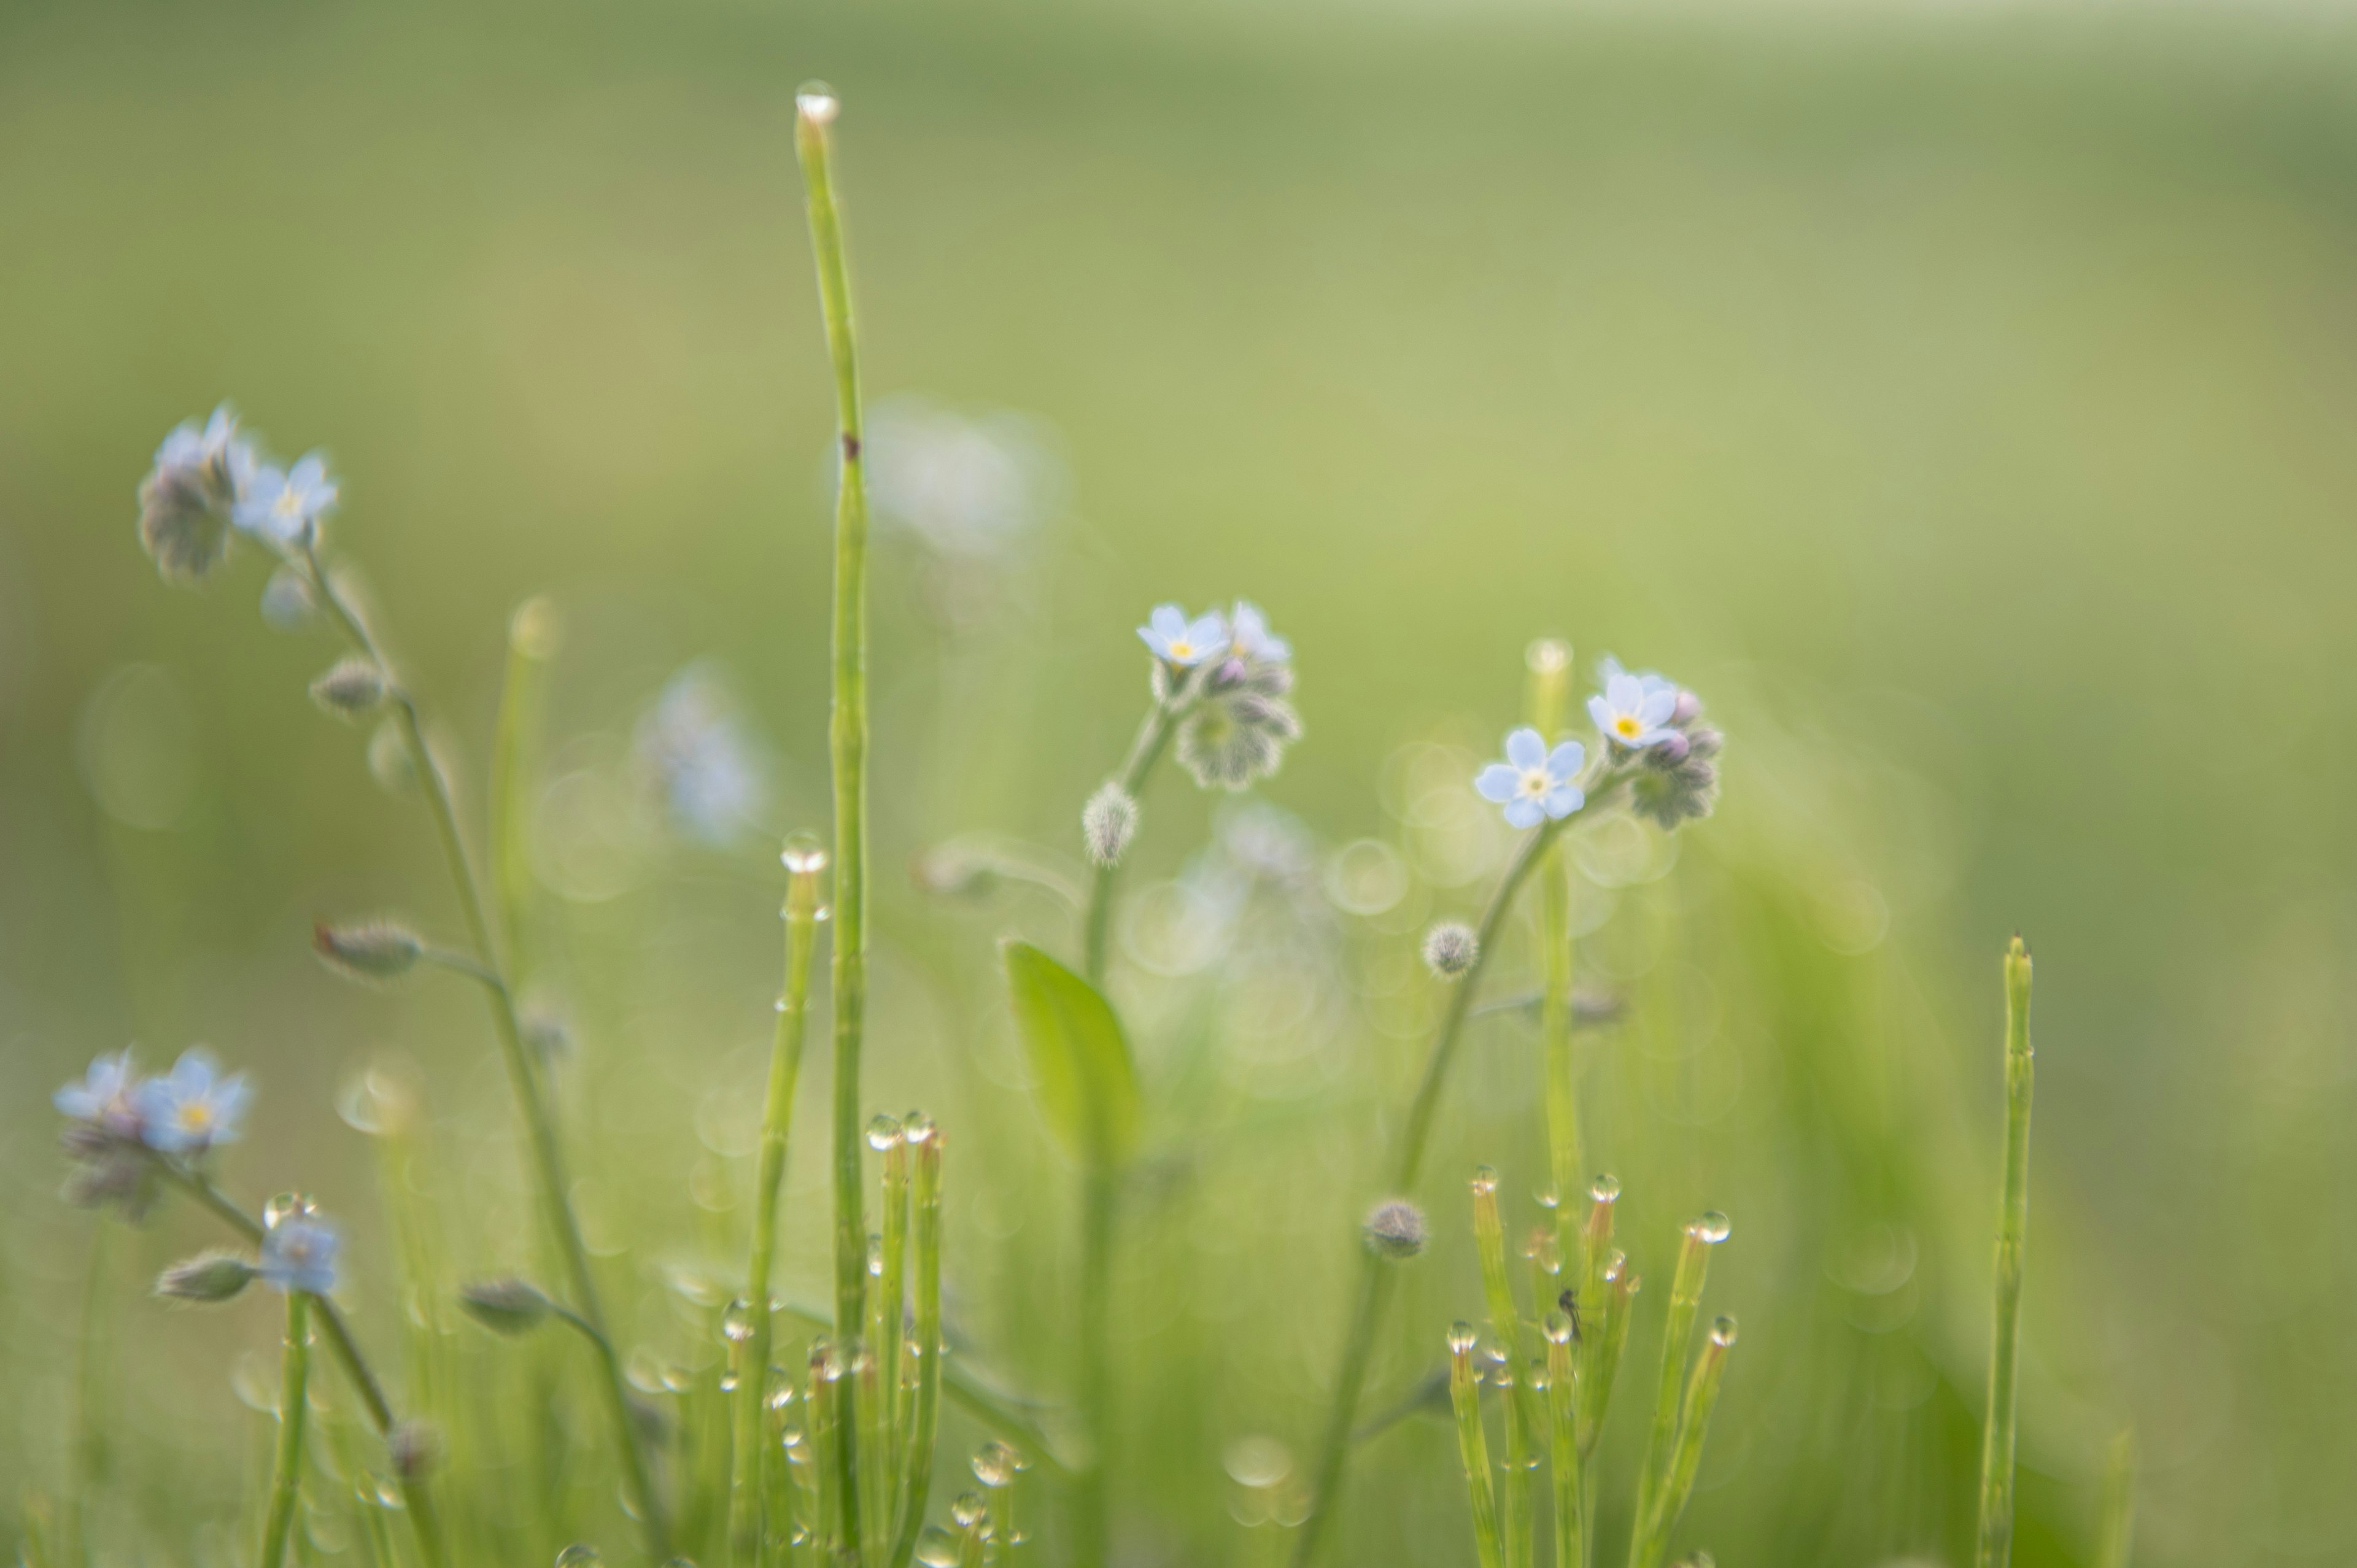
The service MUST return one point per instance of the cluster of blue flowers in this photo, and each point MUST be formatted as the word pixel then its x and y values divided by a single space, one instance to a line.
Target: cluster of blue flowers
pixel 1231 676
pixel 125 1129
pixel 1649 738
pixel 211 481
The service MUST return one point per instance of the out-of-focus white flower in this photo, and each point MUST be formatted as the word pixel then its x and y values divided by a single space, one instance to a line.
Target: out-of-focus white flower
pixel 703 757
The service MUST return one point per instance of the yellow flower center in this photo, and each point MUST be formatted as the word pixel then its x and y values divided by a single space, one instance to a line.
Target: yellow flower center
pixel 290 502
pixel 1627 728
pixel 197 1116
pixel 1535 781
pixel 1182 649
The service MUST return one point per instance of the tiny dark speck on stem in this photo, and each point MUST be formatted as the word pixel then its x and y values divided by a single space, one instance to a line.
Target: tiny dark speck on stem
pixel 851 448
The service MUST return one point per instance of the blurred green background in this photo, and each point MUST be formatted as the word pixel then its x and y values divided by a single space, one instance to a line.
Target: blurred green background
pixel 1958 397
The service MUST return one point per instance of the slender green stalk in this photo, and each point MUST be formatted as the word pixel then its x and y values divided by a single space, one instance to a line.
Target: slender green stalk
pixel 1522 1410
pixel 1550 691
pixel 816 108
pixel 2012 1232
pixel 827 1446
pixel 1694 1424
pixel 917 1465
pixel 974 1533
pixel 1685 1304
pixel 1617 1304
pixel 889 1314
pixel 293 1391
pixel 532 643
pixel 1153 738
pixel 805 864
pixel 1472 1446
pixel 2115 1531
pixel 875 1457
pixel 1366 1312
pixel 1563 1444
pixel 531 1104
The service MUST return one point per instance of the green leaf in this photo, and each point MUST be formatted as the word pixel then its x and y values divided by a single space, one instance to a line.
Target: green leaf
pixel 1080 1059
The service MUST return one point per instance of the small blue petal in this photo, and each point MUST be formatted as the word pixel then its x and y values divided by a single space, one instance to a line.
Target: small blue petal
pixel 1564 761
pixel 1523 813
pixel 1562 801
pixel 1600 713
pixel 1658 706
pixel 1497 782
pixel 1525 748
pixel 1624 691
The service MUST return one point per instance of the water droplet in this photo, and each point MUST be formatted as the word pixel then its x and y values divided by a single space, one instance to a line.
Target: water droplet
pixel 995 1465
pixel 876 1257
pixel 883 1134
pixel 781 1397
pixel 1460 1339
pixel 1485 1181
pixel 1616 1263
pixel 1722 1332
pixel 1605 1189
pixel 737 1324
pixel 1712 1228
pixel 580 1554
pixel 823 913
pixel 1257 1462
pixel 1548 1199
pixel 1558 1328
pixel 285 1206
pixel 817 103
pixel 804 856
pixel 918 1129
pixel 969 1510
pixel 728 1382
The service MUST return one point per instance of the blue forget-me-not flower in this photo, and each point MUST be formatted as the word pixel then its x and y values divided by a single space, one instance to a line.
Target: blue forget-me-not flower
pixel 1249 637
pixel 283 505
pixel 103 1095
pixel 1175 640
pixel 192 1107
pixel 1535 783
pixel 1634 711
pixel 299 1252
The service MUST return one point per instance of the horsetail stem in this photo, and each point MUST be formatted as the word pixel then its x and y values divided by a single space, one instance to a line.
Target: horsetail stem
pixel 917 1463
pixel 805 863
pixel 293 1397
pixel 2013 1227
pixel 1505 1323
pixel 1472 1446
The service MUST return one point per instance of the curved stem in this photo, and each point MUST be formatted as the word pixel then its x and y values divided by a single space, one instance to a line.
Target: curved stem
pixel 294 1392
pixel 1334 1449
pixel 1099 1195
pixel 540 1127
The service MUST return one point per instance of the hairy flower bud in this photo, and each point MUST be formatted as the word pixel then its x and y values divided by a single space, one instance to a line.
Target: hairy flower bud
pixel 1108 822
pixel 374 950
pixel 1395 1229
pixel 505 1307
pixel 208 1277
pixel 286 601
pixel 352 687
pixel 415 1447
pixel 179 524
pixel 1450 948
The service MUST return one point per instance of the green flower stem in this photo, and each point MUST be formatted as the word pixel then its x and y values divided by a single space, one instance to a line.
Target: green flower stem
pixel 1101 1190
pixel 531 1104
pixel 888 1315
pixel 1366 1312
pixel 2115 1533
pixel 917 1465
pixel 1686 1303
pixel 825 1439
pixel 1465 1397
pixel 1694 1424
pixel 294 1388
pixel 1521 1409
pixel 745 1527
pixel 2012 1233
pixel 1153 739
pixel 1550 695
pixel 1563 1445
pixel 532 643
pixel 1619 1308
